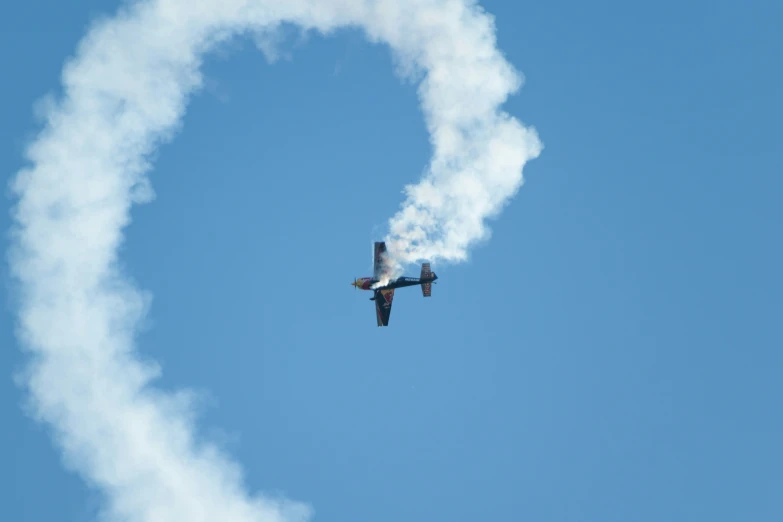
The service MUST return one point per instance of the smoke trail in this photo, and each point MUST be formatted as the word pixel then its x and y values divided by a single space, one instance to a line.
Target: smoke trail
pixel 125 92
pixel 479 151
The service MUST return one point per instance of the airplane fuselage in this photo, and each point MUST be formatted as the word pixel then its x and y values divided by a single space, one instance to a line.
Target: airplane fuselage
pixel 366 283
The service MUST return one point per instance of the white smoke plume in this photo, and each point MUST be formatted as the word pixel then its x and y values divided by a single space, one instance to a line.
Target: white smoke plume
pixel 479 151
pixel 124 93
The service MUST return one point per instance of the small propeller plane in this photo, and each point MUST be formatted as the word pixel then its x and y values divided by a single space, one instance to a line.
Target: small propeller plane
pixel 383 295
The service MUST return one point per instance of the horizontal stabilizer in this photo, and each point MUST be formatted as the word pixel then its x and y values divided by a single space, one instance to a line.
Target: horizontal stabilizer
pixel 426 288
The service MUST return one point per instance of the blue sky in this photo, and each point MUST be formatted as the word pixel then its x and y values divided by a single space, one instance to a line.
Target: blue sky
pixel 612 353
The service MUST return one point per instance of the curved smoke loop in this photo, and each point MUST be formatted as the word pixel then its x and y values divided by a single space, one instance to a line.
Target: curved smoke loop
pixel 125 93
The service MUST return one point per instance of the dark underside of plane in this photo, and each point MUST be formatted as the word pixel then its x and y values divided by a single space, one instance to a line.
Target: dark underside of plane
pixel 384 295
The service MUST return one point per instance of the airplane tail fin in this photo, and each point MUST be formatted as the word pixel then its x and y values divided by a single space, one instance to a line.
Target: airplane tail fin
pixel 426 288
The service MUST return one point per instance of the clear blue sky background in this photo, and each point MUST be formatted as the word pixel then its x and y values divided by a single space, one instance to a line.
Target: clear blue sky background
pixel 612 354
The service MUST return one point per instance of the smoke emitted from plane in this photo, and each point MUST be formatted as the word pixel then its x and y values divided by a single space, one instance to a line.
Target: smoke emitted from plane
pixel 476 169
pixel 124 93
pixel 479 150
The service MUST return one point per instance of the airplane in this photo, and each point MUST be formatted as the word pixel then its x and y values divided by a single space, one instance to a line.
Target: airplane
pixel 383 295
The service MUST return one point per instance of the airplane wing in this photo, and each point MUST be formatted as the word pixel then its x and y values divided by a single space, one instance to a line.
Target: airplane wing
pixel 383 304
pixel 378 259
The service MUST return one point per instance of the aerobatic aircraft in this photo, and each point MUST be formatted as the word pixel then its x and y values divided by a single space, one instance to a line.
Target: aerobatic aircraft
pixel 383 295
